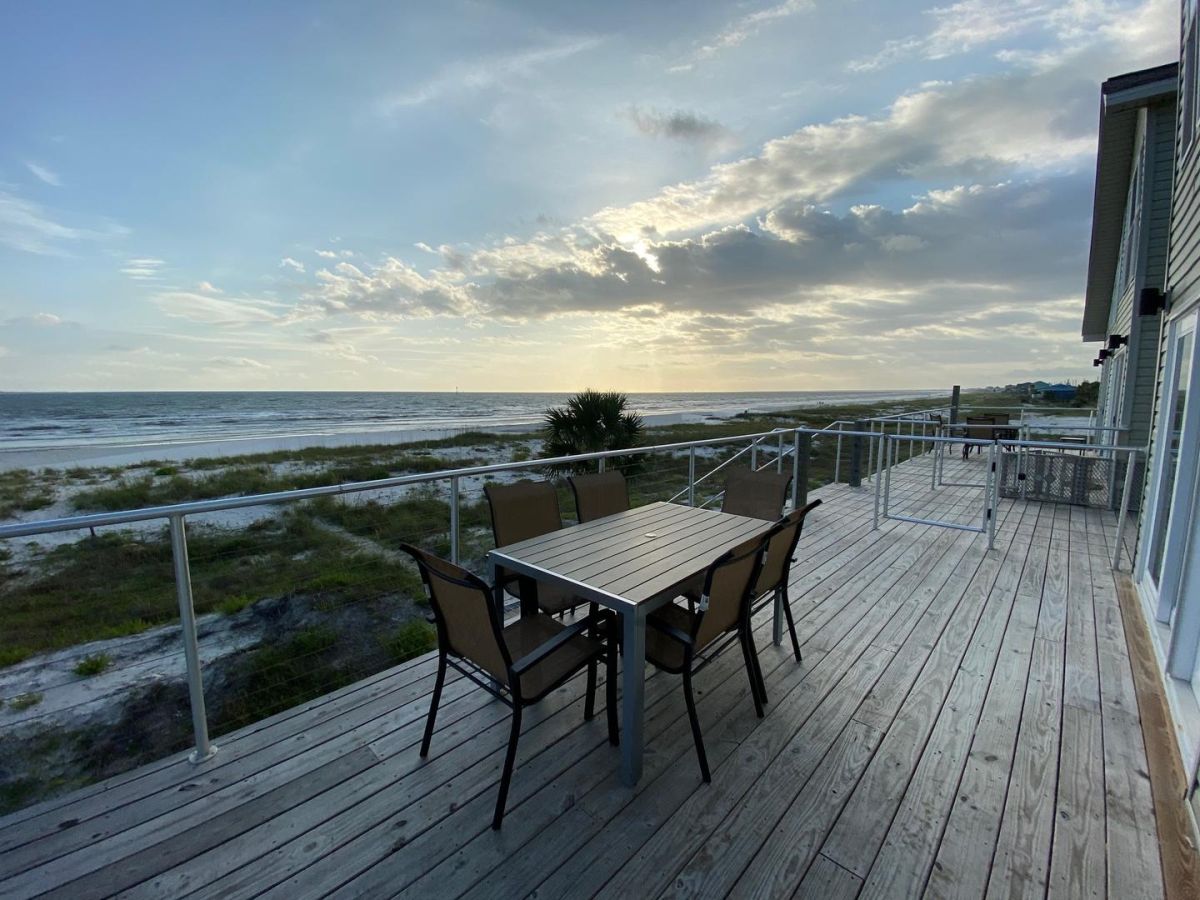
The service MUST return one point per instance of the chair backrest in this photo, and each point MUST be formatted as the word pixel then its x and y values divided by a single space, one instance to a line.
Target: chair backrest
pixel 523 510
pixel 759 495
pixel 781 547
pixel 728 585
pixel 467 623
pixel 982 434
pixel 600 495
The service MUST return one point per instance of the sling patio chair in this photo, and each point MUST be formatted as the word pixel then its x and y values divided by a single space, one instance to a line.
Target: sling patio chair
pixel 520 511
pixel 977 428
pixel 676 638
pixel 599 495
pixel 527 659
pixel 759 495
pixel 778 556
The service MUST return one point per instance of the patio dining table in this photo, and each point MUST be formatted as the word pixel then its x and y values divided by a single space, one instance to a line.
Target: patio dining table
pixel 632 563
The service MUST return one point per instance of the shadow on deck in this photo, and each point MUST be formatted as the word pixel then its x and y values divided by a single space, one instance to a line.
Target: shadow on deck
pixel 964 723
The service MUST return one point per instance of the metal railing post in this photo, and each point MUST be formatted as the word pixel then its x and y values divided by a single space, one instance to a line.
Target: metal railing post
pixel 754 455
pixel 871 450
pixel 994 494
pixel 878 483
pixel 691 476
pixel 454 529
pixel 800 470
pixel 1126 495
pixel 837 459
pixel 600 464
pixel 892 448
pixel 779 455
pixel 856 455
pixel 191 650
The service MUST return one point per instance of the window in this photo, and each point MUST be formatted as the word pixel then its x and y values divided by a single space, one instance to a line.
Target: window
pixel 1189 80
pixel 1173 413
pixel 1131 228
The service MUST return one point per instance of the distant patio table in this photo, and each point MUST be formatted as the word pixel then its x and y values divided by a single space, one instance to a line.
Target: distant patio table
pixel 631 562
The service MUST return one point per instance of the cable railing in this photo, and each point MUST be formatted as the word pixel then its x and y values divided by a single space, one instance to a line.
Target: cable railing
pixel 329 550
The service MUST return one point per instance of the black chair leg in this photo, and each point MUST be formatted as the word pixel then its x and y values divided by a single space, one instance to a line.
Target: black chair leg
pixel 787 614
pixel 433 705
pixel 589 704
pixel 747 657
pixel 506 775
pixel 691 708
pixel 610 692
pixel 762 682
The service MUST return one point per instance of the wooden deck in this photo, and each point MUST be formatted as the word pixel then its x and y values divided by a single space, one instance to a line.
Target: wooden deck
pixel 964 724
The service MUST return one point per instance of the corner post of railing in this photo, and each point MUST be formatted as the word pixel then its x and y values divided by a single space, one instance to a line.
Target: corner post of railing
pixel 691 476
pixel 754 454
pixel 912 431
pixel 191 649
pixel 779 454
pixel 856 455
pixel 1126 496
pixel 454 526
pixel 600 464
pixel 955 397
pixel 800 461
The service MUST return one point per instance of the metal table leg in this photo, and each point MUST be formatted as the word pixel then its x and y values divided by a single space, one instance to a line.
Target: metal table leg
pixel 777 623
pixel 633 673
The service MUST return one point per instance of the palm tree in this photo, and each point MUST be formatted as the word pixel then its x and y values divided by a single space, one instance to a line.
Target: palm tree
pixel 591 421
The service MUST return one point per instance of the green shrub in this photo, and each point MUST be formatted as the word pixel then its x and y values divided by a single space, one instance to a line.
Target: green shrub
pixel 92 664
pixel 411 639
pixel 25 701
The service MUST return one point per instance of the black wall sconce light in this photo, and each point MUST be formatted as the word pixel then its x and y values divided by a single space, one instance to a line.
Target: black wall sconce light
pixel 1103 355
pixel 1152 301
pixel 1117 340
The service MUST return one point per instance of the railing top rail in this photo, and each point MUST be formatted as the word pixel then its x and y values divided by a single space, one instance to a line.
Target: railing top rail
pixel 1064 445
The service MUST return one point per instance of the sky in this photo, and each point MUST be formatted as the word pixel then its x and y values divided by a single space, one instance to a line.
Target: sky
pixel 537 195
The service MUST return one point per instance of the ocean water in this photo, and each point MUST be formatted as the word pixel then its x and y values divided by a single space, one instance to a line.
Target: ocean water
pixel 57 421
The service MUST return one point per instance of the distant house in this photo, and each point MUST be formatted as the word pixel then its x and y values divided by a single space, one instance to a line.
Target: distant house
pixel 1128 259
pixel 1058 392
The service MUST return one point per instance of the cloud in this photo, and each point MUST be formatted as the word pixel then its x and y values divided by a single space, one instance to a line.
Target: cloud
pixel 30 227
pixel 44 174
pixel 208 287
pixel 969 24
pixel 48 319
pixel 143 268
pixel 391 289
pixel 680 125
pixel 497 71
pixel 738 31
pixel 288 263
pixel 326 254
pixel 240 312
pixel 234 362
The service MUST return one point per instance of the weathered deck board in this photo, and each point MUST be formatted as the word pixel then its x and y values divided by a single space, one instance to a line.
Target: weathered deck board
pixel 964 722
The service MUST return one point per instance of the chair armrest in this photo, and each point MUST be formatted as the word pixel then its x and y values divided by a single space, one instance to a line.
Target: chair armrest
pixel 670 631
pixel 537 654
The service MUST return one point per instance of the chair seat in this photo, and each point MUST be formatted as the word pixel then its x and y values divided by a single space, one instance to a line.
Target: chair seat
pixel 528 633
pixel 663 650
pixel 554 600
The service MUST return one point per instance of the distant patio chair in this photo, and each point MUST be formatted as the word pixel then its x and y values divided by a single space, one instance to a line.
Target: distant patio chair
pixel 529 658
pixel 520 511
pixel 600 495
pixel 759 495
pixel 675 636
pixel 778 557
pixel 977 430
